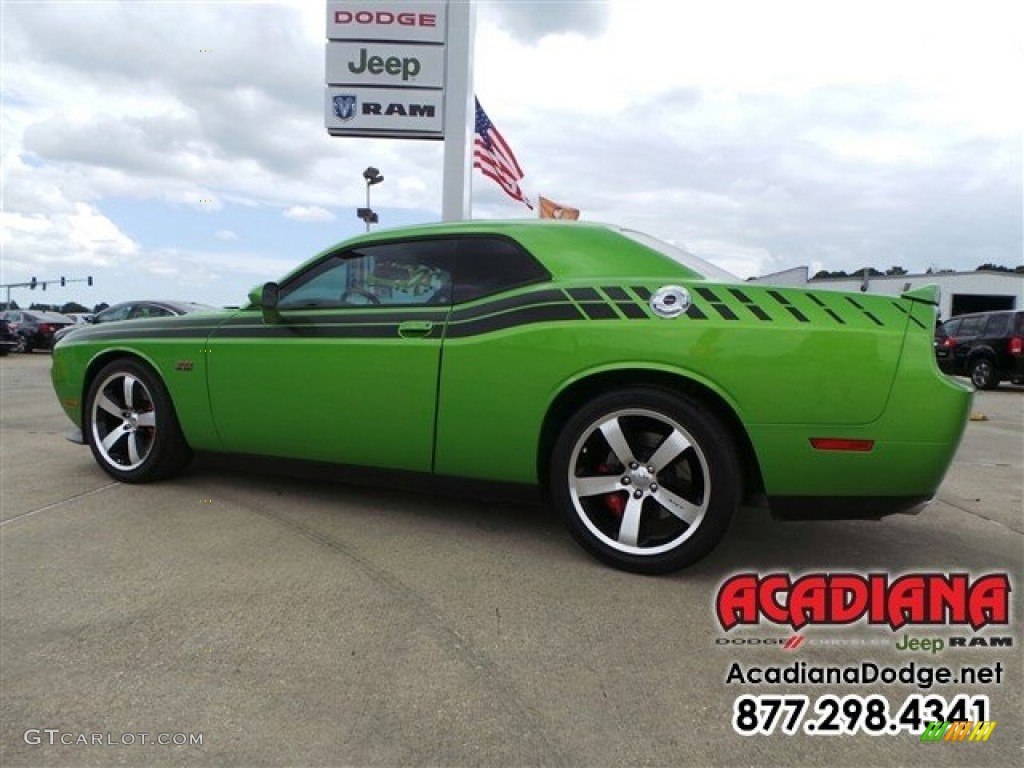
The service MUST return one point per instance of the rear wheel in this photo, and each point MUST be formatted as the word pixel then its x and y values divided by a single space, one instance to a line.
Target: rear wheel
pixel 131 426
pixel 983 373
pixel 22 345
pixel 646 480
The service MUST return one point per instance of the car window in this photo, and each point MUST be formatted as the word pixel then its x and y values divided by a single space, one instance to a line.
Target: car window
pixel 1018 325
pixel 970 326
pixel 387 274
pixel 951 327
pixel 114 313
pixel 997 326
pixel 148 310
pixel 488 265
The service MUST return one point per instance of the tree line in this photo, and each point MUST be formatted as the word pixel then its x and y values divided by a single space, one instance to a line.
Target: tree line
pixel 896 271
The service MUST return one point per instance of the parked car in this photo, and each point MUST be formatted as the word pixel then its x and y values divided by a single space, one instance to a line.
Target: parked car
pixel 35 329
pixel 986 346
pixel 645 390
pixel 8 338
pixel 135 310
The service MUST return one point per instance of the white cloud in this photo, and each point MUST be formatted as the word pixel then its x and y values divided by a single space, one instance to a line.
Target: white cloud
pixel 225 235
pixel 764 135
pixel 308 213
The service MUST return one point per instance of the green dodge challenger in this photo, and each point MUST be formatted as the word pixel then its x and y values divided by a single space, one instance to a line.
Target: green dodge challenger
pixel 646 391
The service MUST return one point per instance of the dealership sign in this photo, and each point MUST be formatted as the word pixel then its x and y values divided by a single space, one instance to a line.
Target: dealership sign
pixel 385 69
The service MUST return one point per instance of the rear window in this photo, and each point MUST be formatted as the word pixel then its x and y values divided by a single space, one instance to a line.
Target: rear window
pixel 694 263
pixel 970 326
pixel 997 326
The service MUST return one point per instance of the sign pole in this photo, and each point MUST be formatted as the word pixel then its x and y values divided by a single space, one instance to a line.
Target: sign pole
pixel 460 113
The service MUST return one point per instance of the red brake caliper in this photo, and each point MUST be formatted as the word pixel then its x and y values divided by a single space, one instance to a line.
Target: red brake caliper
pixel 616 502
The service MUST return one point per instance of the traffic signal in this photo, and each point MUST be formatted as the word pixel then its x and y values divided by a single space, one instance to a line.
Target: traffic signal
pixel 62 283
pixel 32 285
pixel 88 280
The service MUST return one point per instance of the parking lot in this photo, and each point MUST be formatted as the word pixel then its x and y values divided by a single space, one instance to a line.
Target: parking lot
pixel 308 623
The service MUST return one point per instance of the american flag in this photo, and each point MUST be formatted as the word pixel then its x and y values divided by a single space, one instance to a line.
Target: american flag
pixel 494 158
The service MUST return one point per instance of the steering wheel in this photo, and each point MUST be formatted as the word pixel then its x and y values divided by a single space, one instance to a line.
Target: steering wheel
pixel 370 298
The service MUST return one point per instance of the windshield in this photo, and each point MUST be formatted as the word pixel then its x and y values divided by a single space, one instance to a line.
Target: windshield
pixel 678 255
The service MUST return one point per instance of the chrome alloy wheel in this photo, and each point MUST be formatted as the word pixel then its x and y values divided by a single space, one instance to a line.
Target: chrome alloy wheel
pixel 639 481
pixel 123 421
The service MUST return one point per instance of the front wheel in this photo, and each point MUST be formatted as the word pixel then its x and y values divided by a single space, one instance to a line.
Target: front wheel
pixel 646 480
pixel 131 426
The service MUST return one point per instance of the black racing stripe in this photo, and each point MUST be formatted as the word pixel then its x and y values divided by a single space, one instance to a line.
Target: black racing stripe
pixel 778 297
pixel 123 334
pixel 631 310
pixel 514 302
pixel 835 317
pixel 643 293
pixel 917 322
pixel 694 313
pixel 616 293
pixel 867 314
pixel 748 302
pixel 708 294
pixel 815 299
pixel 542 313
pixel 797 313
pixel 351 331
pixel 584 294
pixel 344 318
pixel 724 311
pixel 596 311
pixel 900 307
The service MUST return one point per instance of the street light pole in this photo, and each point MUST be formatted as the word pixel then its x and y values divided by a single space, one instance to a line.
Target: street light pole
pixel 367 214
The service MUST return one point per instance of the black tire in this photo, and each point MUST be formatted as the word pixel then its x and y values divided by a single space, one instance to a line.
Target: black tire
pixel 130 424
pixel 662 497
pixel 22 345
pixel 983 373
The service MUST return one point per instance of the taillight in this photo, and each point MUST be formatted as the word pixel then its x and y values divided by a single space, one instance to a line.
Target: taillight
pixel 948 343
pixel 1016 345
pixel 45 328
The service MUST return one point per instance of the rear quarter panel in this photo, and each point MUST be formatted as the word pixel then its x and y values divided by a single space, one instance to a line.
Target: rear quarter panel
pixel 777 356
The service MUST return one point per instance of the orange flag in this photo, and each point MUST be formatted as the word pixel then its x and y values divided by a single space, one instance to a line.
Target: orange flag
pixel 549 209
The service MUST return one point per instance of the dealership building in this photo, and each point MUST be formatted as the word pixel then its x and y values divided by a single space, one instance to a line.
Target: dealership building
pixel 961 292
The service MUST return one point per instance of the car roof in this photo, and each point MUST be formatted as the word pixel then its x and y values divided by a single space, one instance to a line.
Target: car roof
pixel 567 249
pixel 177 306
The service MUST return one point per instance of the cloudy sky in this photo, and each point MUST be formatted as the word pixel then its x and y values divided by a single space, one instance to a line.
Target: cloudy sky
pixel 178 150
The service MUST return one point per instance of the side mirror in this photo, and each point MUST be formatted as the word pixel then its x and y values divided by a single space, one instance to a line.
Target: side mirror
pixel 269 295
pixel 266 300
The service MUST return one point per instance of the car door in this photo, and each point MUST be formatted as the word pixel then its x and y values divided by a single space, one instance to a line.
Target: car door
pixel 346 368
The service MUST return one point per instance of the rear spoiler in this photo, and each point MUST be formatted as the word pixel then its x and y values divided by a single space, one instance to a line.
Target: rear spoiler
pixel 926 294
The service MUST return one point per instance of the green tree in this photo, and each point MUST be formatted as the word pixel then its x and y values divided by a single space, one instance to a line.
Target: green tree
pixel 895 271
pixel 993 268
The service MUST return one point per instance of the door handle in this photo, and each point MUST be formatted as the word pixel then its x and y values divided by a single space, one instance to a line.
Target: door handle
pixel 415 329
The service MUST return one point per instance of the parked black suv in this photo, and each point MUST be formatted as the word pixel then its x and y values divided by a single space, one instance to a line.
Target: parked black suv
pixel 987 346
